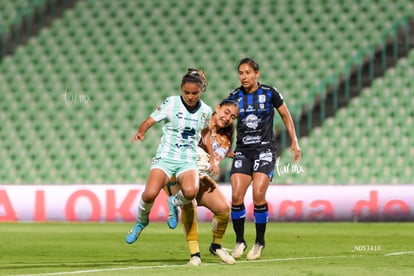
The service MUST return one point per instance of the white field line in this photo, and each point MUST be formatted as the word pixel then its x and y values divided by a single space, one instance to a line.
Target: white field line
pixel 182 265
pixel 399 253
pixel 209 264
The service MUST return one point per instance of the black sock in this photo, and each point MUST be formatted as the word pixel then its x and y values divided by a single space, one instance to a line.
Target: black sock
pixel 260 227
pixel 215 246
pixel 260 233
pixel 238 223
pixel 196 254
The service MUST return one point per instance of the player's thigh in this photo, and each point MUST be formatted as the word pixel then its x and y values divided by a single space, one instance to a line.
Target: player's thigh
pixel 189 181
pixel 157 179
pixel 211 197
pixel 239 184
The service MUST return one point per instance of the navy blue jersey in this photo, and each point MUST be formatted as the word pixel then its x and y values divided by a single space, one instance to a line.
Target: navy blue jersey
pixel 255 121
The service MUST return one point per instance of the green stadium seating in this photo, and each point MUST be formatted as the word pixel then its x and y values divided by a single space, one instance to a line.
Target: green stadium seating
pixel 369 141
pixel 10 11
pixel 128 56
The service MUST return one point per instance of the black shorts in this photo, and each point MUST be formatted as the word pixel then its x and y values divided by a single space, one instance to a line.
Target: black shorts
pixel 249 162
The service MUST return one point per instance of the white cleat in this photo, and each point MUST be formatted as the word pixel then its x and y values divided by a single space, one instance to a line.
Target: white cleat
pixel 239 250
pixel 255 252
pixel 194 261
pixel 225 256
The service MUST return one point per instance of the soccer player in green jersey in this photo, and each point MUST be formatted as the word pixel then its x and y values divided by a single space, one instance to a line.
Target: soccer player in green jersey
pixel 186 116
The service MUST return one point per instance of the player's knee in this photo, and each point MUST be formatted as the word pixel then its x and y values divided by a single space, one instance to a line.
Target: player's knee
pixel 237 199
pixel 223 209
pixel 259 198
pixel 190 193
pixel 148 197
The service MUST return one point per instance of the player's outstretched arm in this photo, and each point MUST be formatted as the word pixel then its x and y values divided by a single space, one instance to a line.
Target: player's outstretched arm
pixel 145 125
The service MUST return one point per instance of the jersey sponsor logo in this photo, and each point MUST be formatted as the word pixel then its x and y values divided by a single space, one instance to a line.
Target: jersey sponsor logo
pixel 182 146
pixel 251 139
pixel 266 156
pixel 250 108
pixel 264 163
pixel 187 132
pixel 180 115
pixel 156 160
pixel 251 121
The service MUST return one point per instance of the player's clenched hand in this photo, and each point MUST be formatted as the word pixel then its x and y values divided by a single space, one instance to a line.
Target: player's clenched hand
pixel 138 137
pixel 295 149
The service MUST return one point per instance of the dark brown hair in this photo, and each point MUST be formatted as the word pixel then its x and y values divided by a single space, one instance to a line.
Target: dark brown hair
pixel 197 76
pixel 249 61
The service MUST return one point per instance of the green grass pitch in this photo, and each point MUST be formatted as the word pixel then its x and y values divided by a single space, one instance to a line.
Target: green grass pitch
pixel 291 249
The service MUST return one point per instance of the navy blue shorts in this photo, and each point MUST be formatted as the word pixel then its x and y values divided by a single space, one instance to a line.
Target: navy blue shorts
pixel 249 162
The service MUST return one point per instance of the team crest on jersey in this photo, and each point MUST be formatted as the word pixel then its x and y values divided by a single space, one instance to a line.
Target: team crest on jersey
pixel 203 117
pixel 262 98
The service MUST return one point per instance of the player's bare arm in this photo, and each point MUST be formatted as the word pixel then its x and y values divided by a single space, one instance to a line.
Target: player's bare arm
pixel 145 125
pixel 288 121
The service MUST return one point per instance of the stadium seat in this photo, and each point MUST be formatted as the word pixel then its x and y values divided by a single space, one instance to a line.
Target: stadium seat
pixel 368 140
pixel 128 56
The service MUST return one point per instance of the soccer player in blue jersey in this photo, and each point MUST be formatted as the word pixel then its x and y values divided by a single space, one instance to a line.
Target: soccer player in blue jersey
pixel 185 115
pixel 254 156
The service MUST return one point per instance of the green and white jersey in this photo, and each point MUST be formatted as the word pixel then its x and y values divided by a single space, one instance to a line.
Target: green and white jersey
pixel 182 130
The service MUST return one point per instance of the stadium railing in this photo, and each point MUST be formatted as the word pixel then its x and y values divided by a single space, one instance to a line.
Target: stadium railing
pixel 29 18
